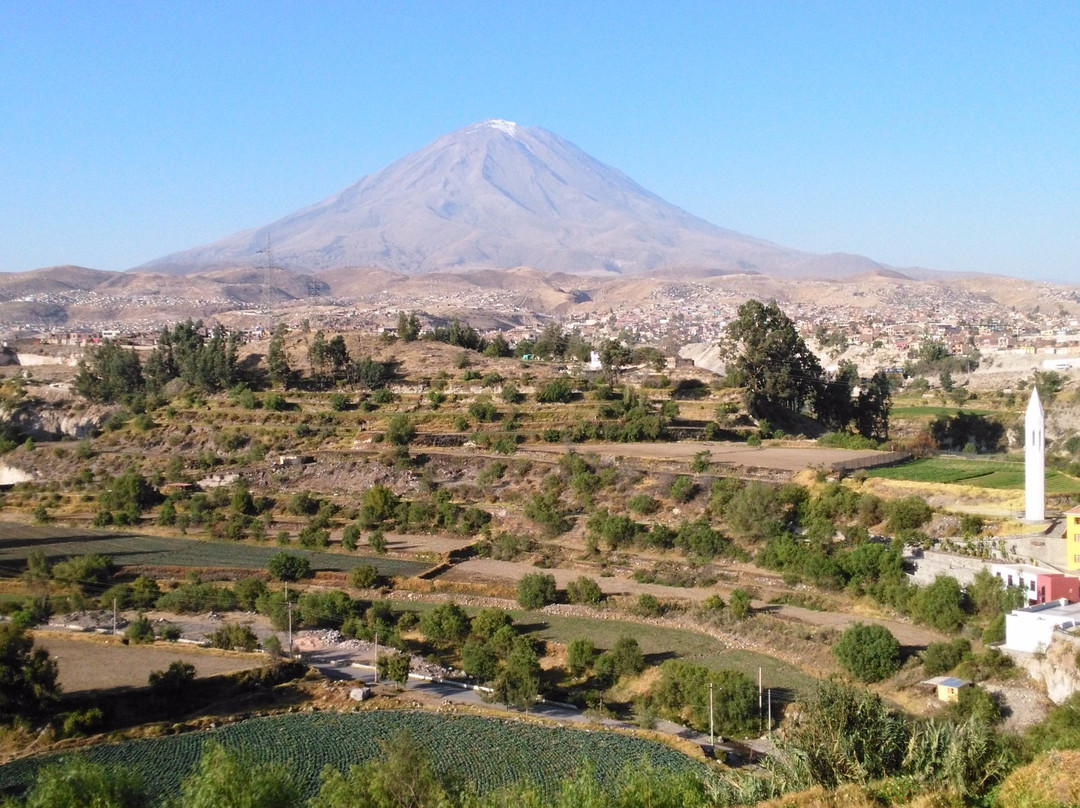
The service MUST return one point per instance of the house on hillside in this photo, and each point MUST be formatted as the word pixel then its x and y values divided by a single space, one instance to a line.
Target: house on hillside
pixel 1072 538
pixel 1030 630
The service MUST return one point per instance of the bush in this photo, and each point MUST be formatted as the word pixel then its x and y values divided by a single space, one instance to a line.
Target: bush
pixel 739 604
pixel 942 657
pixel 584 590
pixel 234 637
pixel 287 567
pixel 683 489
pixel 363 576
pixel 580 655
pixel 140 630
pixel 536 590
pixel 870 653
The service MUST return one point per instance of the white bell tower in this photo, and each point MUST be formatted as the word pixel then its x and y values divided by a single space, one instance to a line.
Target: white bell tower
pixel 1034 460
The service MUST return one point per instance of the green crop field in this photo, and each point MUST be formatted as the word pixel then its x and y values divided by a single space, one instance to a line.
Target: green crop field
pixel 17 541
pixel 480 753
pixel 934 412
pixel 982 473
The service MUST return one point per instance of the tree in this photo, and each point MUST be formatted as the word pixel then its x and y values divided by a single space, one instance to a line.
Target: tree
pixel 393 668
pixel 870 653
pixel 873 407
pixel 774 364
pixel 519 682
pixel 28 685
pixel 580 654
pixel 140 630
pixel 403 778
pixel 536 590
pixel 234 637
pixel 614 356
pixel 363 576
pixel 111 374
pixel 174 680
pixel 277 360
pixel 446 623
pixel 318 355
pixel 400 431
pixel 77 782
pixel 408 327
pixel 223 779
pixel 584 590
pixel 942 604
pixel 287 567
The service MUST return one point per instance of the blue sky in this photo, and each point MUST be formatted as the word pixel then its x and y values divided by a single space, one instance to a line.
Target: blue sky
pixel 942 135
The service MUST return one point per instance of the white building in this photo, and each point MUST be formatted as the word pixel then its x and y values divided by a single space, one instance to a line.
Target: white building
pixel 1021 575
pixel 1031 629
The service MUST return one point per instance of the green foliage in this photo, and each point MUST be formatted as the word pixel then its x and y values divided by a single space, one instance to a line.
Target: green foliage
pixel 942 604
pixel 682 694
pixel 536 590
pixel 518 684
pixel 446 623
pixel 191 598
pixel 400 431
pixel 110 374
pixel 643 504
pixel 393 668
pixel 580 655
pixel 76 782
pixel 28 684
pixel 942 657
pixel 83 572
pixel 955 432
pixel 173 681
pixel 224 779
pixel 682 489
pixel 739 604
pixel 234 637
pixel 557 391
pixel 1060 729
pixel 974 702
pixel 870 653
pixel 139 630
pixel 584 590
pixel 288 567
pixel 774 364
pixel 907 513
pixel 363 576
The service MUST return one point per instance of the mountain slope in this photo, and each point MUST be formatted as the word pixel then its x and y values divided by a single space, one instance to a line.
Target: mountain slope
pixel 496 195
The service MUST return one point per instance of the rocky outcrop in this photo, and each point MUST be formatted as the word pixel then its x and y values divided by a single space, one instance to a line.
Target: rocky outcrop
pixel 1057 669
pixel 48 421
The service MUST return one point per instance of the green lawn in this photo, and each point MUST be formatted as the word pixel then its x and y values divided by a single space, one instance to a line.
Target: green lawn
pixel 997 474
pixel 657 643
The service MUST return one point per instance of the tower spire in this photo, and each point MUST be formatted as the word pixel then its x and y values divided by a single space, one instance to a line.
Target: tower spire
pixel 1034 460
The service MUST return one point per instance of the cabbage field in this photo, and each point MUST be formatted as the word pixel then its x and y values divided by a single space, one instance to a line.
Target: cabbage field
pixel 485 753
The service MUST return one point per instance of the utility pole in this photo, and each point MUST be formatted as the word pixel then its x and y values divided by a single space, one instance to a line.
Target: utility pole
pixel 114 616
pixel 712 734
pixel 770 710
pixel 376 657
pixel 288 604
pixel 760 706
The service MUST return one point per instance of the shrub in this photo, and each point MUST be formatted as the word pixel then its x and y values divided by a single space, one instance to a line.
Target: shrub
pixel 363 576
pixel 739 604
pixel 139 630
pixel 234 637
pixel 287 567
pixel 536 590
pixel 942 657
pixel 584 590
pixel 870 653
pixel 683 489
pixel 580 655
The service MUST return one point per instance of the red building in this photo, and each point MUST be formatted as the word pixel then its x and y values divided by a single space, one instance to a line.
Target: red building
pixel 1056 585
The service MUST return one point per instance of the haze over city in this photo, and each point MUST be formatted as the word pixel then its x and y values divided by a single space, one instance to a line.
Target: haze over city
pixel 937 137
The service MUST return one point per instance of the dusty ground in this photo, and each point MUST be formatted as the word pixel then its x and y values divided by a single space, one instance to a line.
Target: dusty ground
pixel 777 458
pixel 92 662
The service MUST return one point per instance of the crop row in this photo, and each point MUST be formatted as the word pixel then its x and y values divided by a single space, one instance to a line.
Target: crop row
pixel 470 751
pixel 130 550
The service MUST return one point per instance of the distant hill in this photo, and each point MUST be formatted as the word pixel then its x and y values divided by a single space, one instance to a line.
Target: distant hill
pixel 497 195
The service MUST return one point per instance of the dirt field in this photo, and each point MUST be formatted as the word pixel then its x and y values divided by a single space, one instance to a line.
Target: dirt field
pixel 777 458
pixel 97 663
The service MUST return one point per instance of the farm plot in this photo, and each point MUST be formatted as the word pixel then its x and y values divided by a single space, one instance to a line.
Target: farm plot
pixel 17 541
pixel 995 474
pixel 480 753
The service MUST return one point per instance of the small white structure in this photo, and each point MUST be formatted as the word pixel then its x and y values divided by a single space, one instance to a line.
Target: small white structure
pixel 1024 576
pixel 1031 629
pixel 594 361
pixel 1034 460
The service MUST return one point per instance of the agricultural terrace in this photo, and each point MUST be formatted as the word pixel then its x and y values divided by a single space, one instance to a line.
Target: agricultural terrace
pixel 129 550
pixel 482 753
pixel 996 474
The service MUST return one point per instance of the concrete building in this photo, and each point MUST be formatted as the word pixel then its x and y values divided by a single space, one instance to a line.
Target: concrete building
pixel 1034 459
pixel 1030 630
pixel 1072 538
pixel 1057 586
pixel 948 687
pixel 1024 576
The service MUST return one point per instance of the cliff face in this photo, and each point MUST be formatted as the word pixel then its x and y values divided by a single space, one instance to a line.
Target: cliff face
pixel 1056 669
pixel 49 421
